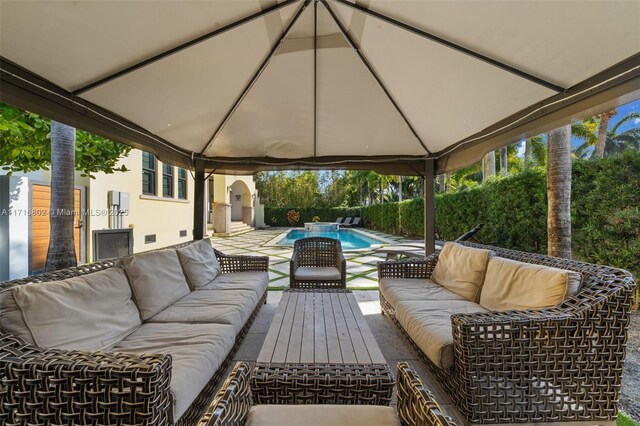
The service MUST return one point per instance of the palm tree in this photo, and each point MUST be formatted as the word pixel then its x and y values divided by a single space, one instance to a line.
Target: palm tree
pixel 559 192
pixel 615 142
pixel 535 152
pixel 488 166
pixel 504 166
pixel 618 142
pixel 602 132
pixel 62 252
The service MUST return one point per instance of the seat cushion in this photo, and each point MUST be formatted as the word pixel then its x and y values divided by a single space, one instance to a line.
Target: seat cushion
pixel 256 281
pixel 197 351
pixel 318 274
pixel 233 307
pixel 406 289
pixel 429 325
pixel 461 269
pixel 199 263
pixel 322 415
pixel 156 279
pixel 92 312
pixel 510 284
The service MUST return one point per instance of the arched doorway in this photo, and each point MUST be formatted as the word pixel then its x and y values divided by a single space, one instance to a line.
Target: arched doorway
pixel 241 205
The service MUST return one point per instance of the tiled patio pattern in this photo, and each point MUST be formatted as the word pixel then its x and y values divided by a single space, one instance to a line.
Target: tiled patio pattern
pixel 361 264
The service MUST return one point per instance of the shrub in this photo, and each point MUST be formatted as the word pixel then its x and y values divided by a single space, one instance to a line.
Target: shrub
pixel 293 217
pixel 278 215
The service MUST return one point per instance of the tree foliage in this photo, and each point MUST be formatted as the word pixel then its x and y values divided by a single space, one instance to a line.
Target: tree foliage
pixel 26 145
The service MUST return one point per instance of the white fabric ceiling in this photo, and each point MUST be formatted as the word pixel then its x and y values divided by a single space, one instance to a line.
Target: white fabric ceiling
pixel 315 97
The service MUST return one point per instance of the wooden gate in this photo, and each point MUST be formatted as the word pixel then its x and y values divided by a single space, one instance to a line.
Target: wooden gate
pixel 40 228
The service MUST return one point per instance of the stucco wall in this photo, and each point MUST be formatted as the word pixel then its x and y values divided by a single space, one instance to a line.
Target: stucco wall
pixel 164 217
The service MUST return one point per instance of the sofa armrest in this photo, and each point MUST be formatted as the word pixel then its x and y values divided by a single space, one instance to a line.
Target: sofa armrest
pixel 76 387
pixel 233 401
pixel 236 263
pixel 410 268
pixel 416 404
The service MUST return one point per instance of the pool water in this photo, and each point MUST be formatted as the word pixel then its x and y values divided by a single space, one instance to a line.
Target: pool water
pixel 350 240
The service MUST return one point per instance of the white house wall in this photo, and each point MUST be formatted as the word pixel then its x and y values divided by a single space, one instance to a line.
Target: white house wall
pixel 164 217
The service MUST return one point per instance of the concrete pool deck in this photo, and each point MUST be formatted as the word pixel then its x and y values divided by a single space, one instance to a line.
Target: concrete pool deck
pixel 361 264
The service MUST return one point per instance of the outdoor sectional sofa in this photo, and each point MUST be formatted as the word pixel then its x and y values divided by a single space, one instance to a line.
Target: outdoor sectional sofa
pixel 513 336
pixel 140 340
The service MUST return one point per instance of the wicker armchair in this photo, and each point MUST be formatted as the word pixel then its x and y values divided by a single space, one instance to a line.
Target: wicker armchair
pixel 320 254
pixel 56 386
pixel 416 405
pixel 557 364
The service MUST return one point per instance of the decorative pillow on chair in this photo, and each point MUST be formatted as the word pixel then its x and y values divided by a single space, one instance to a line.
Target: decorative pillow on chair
pixel 199 262
pixel 510 284
pixel 461 270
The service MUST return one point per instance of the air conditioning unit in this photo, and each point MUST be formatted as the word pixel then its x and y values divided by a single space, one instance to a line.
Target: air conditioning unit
pixel 110 243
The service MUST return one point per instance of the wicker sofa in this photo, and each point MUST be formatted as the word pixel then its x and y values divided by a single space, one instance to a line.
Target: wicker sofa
pixel 234 406
pixel 140 340
pixel 556 363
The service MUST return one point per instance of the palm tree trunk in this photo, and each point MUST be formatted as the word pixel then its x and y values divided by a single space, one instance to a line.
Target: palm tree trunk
pixel 559 192
pixel 62 252
pixel 441 184
pixel 447 187
pixel 504 166
pixel 527 154
pixel 488 166
pixel 602 133
pixel 381 192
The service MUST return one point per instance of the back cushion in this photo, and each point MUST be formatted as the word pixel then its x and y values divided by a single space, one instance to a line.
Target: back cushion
pixel 199 263
pixel 461 270
pixel 91 312
pixel 510 284
pixel 156 279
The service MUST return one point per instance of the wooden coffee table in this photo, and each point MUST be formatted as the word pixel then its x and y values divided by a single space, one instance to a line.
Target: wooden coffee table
pixel 320 350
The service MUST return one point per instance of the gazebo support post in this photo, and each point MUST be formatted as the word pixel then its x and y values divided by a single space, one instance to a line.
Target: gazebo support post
pixel 429 207
pixel 198 200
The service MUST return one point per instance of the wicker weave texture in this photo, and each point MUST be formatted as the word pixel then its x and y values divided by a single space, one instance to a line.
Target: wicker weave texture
pixel 370 384
pixel 317 252
pixel 416 405
pixel 557 364
pixel 52 386
pixel 233 401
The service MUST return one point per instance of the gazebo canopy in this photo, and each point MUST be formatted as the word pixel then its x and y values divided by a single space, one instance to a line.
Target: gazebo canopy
pixel 255 85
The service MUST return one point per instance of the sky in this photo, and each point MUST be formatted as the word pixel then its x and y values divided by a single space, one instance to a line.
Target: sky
pixel 623 110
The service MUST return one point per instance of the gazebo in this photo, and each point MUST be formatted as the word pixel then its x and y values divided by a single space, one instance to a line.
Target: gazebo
pixel 402 87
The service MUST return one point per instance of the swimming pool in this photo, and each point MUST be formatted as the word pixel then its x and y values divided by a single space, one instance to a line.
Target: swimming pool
pixel 350 239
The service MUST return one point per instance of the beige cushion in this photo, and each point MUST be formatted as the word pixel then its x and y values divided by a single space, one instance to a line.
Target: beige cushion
pixel 429 325
pixel 232 307
pixel 92 312
pixel 510 284
pixel 397 290
pixel 156 279
pixel 318 273
pixel 199 263
pixel 250 280
pixel 197 350
pixel 11 317
pixel 322 415
pixel 461 269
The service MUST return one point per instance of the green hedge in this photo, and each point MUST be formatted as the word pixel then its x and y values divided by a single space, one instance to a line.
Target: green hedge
pixel 605 212
pixel 277 216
